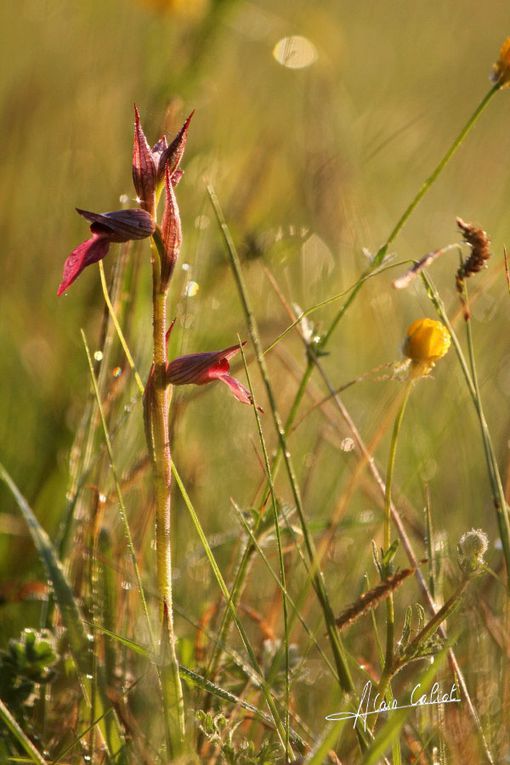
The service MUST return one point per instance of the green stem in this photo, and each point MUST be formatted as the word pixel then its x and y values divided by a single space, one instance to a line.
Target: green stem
pixel 435 174
pixel 498 492
pixel 249 550
pixel 381 253
pixel 314 570
pixel 390 607
pixel 157 404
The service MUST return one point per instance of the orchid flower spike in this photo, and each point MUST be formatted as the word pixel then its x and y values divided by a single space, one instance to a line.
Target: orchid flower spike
pixel 203 368
pixel 118 226
pixel 150 164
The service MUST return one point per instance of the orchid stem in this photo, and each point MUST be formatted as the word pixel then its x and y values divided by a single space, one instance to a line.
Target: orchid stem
pixel 157 405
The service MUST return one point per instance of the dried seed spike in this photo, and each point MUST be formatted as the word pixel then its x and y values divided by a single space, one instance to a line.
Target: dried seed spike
pixel 480 253
pixel 144 167
pixel 372 598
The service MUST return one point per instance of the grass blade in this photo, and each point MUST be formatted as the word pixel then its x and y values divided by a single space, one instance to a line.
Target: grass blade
pixel 12 725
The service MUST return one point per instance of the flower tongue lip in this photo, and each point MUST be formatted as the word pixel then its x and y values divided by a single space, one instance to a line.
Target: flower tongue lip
pixel 120 225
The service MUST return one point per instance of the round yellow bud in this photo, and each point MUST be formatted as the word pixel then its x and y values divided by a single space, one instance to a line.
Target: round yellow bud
pixel 426 341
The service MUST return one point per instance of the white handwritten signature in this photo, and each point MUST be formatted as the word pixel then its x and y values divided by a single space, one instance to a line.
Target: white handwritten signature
pixel 366 708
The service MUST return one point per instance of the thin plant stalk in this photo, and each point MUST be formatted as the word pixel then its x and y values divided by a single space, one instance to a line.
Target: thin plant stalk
pixel 243 567
pixel 390 608
pixel 315 573
pixel 281 561
pixel 157 404
pixel 383 250
pixel 225 592
pixel 498 492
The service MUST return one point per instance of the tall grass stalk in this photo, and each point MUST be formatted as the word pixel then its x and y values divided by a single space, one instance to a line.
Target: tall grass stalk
pixel 424 188
pixel 281 562
pixel 470 376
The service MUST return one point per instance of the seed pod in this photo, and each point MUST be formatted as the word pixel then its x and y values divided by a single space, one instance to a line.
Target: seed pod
pixel 480 253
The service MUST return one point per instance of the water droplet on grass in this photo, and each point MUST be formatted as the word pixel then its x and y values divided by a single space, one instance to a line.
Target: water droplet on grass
pixel 191 289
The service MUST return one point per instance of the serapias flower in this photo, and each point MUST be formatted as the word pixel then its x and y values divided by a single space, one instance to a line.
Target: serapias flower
pixel 501 69
pixel 118 226
pixel 149 165
pixel 203 368
pixel 426 342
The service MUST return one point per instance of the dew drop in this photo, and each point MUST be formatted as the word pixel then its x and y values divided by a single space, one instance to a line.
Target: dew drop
pixel 347 444
pixel 185 266
pixel 366 516
pixel 191 289
pixel 124 199
pixel 116 372
pixel 126 585
pixel 98 355
pixel 295 52
pixel 202 222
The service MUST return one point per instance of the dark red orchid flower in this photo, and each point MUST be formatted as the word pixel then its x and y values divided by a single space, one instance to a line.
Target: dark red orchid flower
pixel 150 168
pixel 118 226
pixel 150 165
pixel 203 368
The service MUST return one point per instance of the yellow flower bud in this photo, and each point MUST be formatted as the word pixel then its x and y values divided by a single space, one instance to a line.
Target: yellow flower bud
pixel 426 342
pixel 501 69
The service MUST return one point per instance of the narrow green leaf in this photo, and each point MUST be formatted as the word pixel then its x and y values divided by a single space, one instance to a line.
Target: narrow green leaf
pixel 18 733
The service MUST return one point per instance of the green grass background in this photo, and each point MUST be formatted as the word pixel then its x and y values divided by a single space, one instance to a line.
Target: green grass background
pixel 311 167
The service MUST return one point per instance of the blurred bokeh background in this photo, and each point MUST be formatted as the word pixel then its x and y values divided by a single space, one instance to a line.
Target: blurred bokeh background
pixel 315 145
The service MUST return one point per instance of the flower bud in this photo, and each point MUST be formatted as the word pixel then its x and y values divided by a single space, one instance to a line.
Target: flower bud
pixel 426 341
pixel 501 69
pixel 471 548
pixel 144 168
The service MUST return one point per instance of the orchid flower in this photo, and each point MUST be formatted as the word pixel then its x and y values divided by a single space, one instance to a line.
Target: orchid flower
pixel 119 226
pixel 151 167
pixel 203 368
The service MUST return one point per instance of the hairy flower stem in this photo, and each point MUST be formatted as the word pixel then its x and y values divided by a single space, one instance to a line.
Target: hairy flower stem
pixel 390 609
pixel 157 402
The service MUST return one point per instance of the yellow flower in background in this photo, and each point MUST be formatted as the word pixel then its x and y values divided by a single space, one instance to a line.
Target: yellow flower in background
pixel 190 9
pixel 426 341
pixel 501 69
